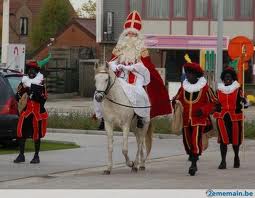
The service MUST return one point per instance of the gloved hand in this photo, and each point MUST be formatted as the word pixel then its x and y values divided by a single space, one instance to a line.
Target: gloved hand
pixel 218 107
pixel 128 68
pixel 120 66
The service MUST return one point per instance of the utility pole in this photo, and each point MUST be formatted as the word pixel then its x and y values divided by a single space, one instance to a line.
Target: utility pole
pixel 219 66
pixel 5 30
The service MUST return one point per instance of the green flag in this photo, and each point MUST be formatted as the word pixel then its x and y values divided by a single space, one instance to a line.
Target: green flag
pixel 43 62
pixel 234 64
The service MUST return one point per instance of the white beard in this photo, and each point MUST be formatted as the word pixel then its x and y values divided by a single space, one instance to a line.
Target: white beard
pixel 130 48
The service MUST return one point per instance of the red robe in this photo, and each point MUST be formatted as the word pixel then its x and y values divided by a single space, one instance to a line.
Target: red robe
pixel 157 92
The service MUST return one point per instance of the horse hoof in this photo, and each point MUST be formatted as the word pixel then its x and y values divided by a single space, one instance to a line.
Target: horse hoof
pixel 107 172
pixel 142 168
pixel 134 169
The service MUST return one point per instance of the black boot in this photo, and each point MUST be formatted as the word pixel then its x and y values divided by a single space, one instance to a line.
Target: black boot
pixel 36 159
pixel 101 126
pixel 139 122
pixel 223 151
pixel 236 159
pixel 193 167
pixel 190 158
pixel 21 156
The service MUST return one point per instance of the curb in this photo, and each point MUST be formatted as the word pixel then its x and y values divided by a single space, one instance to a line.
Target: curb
pixel 115 133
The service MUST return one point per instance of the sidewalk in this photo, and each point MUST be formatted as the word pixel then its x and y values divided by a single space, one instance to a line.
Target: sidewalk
pixel 167 168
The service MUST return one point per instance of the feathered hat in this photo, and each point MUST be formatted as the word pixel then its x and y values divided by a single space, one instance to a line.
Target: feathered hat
pixel 192 66
pixel 38 64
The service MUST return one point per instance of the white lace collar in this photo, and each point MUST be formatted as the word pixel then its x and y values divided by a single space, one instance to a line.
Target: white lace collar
pixel 187 86
pixel 228 89
pixel 36 80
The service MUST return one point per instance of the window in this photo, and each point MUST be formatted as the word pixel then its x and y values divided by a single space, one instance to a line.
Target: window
pixel 24 26
pixel 180 8
pixel 246 8
pixel 228 9
pixel 201 8
pixel 136 5
pixel 157 9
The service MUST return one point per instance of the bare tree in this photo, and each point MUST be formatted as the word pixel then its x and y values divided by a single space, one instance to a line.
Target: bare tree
pixel 88 10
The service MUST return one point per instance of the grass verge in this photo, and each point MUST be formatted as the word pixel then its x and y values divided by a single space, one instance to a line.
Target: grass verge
pixel 162 124
pixel 46 145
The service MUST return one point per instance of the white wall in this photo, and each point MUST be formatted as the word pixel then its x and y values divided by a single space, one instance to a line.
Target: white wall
pixel 179 27
pixel 234 28
pixel 200 28
pixel 155 27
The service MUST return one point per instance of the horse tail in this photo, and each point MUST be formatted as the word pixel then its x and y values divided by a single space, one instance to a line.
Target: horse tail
pixel 148 139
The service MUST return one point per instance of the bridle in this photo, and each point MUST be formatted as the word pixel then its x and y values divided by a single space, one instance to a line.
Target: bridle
pixel 109 85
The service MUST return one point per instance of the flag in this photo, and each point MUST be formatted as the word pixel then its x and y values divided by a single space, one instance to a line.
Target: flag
pixel 233 64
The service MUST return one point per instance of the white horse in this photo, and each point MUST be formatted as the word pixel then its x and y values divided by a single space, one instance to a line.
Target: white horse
pixel 117 111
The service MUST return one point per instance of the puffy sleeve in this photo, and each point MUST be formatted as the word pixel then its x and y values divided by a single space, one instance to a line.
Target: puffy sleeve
pixel 142 70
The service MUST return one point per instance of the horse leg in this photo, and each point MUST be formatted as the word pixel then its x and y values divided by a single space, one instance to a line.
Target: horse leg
pixel 142 162
pixel 140 134
pixel 125 146
pixel 109 130
pixel 139 148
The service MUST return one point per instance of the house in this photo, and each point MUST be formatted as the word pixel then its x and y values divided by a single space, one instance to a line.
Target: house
pixel 66 73
pixel 23 14
pixel 79 33
pixel 173 28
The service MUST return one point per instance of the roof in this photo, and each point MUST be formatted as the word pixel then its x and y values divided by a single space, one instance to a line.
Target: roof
pixel 88 24
pixel 34 6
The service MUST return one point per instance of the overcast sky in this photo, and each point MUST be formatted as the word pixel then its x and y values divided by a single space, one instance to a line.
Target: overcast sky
pixel 77 3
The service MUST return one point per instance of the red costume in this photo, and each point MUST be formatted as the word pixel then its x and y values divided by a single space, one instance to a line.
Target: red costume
pixel 195 98
pixel 229 119
pixel 33 118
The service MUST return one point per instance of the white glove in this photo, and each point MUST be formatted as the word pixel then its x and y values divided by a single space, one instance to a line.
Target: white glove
pixel 120 66
pixel 128 68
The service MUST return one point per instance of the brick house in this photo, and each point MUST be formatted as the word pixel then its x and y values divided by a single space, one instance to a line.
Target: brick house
pixel 22 16
pixel 79 33
pixel 73 44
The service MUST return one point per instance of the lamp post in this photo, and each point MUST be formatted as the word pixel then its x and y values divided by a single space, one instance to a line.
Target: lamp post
pixel 219 41
pixel 5 30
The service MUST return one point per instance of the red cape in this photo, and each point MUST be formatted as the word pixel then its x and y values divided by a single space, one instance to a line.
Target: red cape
pixel 157 92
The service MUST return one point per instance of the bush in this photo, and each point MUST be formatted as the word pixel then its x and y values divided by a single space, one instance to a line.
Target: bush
pixel 72 121
pixel 249 129
pixel 161 124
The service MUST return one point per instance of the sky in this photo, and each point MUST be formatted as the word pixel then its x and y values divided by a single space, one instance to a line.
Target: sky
pixel 77 3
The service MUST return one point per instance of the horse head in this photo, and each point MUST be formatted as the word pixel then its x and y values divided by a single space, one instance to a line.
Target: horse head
pixel 102 82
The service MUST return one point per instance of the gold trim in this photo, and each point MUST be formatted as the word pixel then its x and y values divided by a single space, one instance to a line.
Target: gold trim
pixel 197 139
pixel 186 137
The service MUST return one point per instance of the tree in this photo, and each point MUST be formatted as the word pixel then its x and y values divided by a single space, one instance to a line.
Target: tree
pixel 88 9
pixel 54 15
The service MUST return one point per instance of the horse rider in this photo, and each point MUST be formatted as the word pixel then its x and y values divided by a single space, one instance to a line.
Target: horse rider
pixel 131 62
